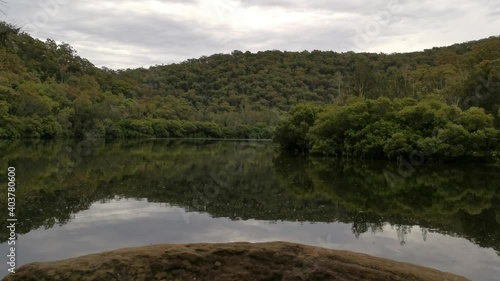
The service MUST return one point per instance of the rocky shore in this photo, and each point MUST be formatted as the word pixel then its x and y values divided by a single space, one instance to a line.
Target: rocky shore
pixel 224 262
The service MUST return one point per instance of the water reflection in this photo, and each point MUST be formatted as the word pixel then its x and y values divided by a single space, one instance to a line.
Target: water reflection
pixel 92 197
pixel 461 200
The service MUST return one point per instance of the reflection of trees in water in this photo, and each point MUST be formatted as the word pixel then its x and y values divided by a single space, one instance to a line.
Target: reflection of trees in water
pixel 424 233
pixel 192 176
pixel 249 181
pixel 402 231
pixel 461 200
pixel 364 222
pixel 360 227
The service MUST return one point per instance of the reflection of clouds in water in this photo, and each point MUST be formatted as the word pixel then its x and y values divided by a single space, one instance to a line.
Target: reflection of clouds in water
pixel 130 223
pixel 124 209
pixel 443 252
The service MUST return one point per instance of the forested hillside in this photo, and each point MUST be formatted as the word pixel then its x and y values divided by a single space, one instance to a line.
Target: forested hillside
pixel 48 91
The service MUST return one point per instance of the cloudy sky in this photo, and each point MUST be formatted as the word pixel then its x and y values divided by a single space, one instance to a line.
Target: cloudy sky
pixel 134 33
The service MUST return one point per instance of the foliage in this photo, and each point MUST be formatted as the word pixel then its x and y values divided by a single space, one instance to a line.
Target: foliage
pixel 48 91
pixel 292 133
pixel 382 128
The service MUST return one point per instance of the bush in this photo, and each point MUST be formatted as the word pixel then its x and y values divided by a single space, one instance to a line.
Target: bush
pixel 292 133
pixel 137 129
pixel 388 129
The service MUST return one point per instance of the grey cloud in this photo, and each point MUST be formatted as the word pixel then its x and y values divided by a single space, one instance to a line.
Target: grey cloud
pixel 357 6
pixel 121 34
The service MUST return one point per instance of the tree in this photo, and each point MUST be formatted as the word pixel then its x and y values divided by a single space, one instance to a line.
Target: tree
pixel 382 128
pixel 339 81
pixel 292 132
pixel 4 109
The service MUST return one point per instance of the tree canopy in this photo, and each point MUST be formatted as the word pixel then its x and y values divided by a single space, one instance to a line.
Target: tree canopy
pixel 48 91
pixel 384 128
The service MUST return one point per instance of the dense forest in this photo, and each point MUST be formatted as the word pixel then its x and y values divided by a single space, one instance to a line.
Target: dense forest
pixel 47 91
pixel 384 128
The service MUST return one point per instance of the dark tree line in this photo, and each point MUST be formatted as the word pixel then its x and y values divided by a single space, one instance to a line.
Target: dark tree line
pixel 391 129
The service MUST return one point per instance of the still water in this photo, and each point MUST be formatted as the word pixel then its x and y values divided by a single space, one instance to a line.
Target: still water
pixel 80 198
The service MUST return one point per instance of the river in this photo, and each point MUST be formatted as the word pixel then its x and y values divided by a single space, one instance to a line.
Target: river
pixel 77 198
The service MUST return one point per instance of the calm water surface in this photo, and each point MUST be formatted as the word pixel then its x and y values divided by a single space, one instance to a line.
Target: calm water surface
pixel 81 198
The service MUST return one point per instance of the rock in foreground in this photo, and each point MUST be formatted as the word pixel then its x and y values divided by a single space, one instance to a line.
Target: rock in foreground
pixel 233 261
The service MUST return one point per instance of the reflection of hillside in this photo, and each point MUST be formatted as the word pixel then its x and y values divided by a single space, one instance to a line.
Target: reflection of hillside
pixel 249 181
pixel 460 200
pixel 56 184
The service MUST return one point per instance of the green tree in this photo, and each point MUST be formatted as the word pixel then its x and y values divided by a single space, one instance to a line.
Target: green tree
pixel 292 132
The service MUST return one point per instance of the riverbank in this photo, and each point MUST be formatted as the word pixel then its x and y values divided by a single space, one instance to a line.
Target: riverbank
pixel 232 261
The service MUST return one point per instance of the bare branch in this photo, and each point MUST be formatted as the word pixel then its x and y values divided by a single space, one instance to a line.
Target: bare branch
pixel 2 4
